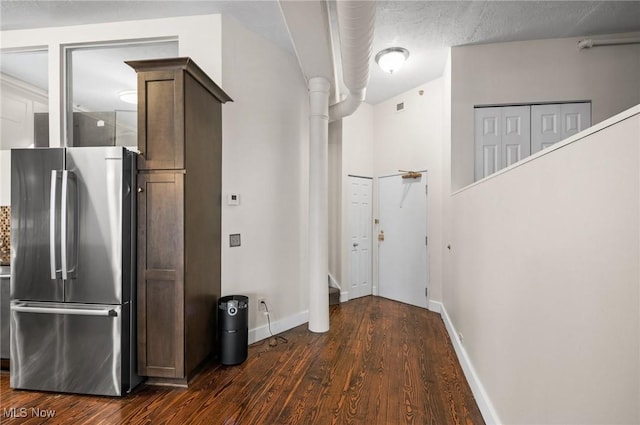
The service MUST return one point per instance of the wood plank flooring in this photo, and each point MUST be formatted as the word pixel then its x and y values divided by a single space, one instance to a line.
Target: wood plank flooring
pixel 382 362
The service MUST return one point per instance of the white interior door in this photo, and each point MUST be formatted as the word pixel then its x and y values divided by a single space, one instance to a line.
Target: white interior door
pixel 359 237
pixel 402 255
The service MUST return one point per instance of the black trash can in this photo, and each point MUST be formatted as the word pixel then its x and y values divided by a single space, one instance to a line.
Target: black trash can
pixel 233 329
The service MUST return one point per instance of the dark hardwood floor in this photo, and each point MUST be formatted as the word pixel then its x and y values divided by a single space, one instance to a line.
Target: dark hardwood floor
pixel 383 362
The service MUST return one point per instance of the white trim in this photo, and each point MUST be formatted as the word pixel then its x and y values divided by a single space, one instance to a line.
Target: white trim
pixel 278 326
pixel 35 92
pixel 482 398
pixel 435 306
pixel 344 296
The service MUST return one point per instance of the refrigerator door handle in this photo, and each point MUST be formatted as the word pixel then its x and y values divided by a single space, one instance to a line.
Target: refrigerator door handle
pixel 63 224
pixel 52 225
pixel 26 308
pixel 68 179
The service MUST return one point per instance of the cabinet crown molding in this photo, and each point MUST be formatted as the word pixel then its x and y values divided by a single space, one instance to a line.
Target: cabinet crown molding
pixel 185 64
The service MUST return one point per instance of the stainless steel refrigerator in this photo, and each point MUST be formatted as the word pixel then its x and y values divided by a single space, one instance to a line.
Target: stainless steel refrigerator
pixel 73 270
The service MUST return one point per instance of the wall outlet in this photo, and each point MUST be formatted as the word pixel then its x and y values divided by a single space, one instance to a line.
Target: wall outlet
pixel 234 240
pixel 262 308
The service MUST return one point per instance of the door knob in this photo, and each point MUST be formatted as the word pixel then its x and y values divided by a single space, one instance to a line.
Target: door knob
pixel 355 244
pixel 140 190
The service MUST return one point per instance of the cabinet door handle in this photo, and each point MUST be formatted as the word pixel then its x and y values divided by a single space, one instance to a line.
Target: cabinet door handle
pixel 140 190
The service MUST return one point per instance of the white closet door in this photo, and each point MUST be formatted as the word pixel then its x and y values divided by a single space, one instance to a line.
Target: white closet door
pixel 502 138
pixel 488 123
pixel 516 131
pixel 359 226
pixel 555 122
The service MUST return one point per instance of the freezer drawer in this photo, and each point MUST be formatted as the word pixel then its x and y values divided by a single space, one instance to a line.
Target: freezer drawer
pixel 68 348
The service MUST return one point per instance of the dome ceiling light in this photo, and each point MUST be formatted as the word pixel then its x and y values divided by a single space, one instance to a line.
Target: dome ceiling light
pixel 392 58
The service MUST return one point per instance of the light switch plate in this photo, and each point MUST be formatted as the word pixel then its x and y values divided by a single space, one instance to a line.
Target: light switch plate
pixel 234 240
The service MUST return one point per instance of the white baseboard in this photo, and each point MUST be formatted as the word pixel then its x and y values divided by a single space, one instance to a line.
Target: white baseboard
pixel 344 296
pixel 482 398
pixel 278 326
pixel 435 306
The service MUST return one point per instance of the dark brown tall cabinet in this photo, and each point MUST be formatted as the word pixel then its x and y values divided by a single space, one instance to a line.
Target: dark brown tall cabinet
pixel 179 205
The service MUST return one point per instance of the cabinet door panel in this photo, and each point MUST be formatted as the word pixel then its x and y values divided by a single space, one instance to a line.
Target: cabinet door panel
pixel 161 127
pixel 160 275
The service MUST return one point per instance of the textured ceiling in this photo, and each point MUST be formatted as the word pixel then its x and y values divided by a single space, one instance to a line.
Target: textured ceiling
pixel 426 28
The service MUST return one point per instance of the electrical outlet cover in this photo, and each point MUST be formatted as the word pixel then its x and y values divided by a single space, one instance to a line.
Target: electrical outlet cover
pixel 261 306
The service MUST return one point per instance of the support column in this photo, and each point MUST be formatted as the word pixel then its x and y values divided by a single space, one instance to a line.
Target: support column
pixel 318 204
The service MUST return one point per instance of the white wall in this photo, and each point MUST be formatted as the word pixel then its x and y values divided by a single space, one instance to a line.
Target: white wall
pixel 412 140
pixel 447 289
pixel 265 160
pixel 537 71
pixel 335 201
pixel 357 159
pixel 357 142
pixel 545 277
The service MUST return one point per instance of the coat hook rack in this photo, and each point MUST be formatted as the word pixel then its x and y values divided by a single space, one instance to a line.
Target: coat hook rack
pixel 410 174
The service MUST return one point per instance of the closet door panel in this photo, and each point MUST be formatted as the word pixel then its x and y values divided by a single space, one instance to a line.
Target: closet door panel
pixel 516 134
pixel 555 122
pixel 488 141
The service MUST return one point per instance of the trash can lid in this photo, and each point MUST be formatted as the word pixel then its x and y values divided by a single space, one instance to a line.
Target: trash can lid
pixel 242 301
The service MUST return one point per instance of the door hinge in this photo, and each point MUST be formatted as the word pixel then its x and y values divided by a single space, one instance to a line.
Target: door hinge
pixel 426 292
pixel 426 189
pixel 426 240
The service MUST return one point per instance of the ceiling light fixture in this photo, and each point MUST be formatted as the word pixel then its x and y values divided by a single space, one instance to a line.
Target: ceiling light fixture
pixel 392 58
pixel 129 96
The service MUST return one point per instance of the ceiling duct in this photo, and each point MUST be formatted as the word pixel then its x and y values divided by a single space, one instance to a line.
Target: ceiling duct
pixel 356 22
